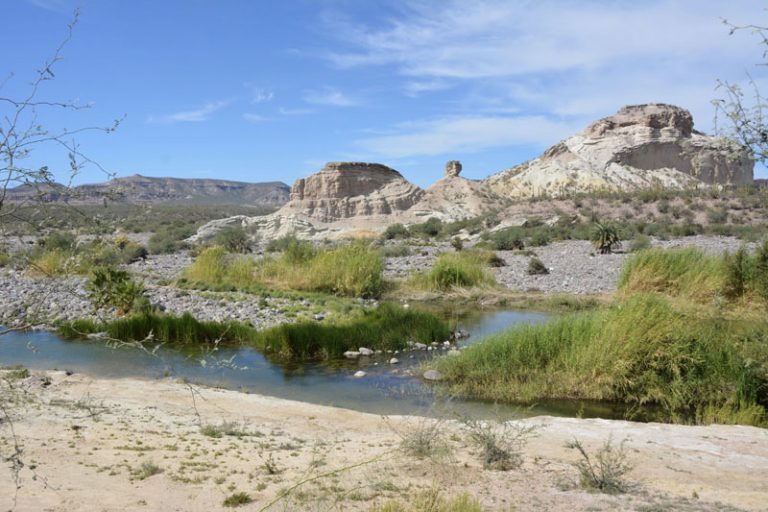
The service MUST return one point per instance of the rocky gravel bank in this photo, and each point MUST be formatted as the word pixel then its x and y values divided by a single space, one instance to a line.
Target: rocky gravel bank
pixel 574 268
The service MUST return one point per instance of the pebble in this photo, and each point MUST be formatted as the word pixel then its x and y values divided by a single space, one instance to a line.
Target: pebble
pixel 394 360
pixel 359 374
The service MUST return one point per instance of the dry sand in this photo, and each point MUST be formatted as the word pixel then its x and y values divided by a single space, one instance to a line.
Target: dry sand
pixel 86 442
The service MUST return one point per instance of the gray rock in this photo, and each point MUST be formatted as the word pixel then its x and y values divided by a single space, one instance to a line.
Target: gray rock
pixel 433 375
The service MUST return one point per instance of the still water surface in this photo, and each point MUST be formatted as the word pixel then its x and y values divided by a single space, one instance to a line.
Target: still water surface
pixel 384 390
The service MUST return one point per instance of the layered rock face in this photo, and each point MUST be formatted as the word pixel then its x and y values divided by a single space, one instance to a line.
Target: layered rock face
pixel 344 190
pixel 639 147
pixel 455 198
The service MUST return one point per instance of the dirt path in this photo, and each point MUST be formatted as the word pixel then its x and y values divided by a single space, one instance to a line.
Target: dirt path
pixel 107 445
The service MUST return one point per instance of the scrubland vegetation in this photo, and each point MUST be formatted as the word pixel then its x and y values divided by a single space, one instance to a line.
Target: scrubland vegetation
pixel 686 341
pixel 353 270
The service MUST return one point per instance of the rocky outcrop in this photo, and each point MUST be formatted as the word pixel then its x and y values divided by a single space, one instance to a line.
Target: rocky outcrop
pixel 639 147
pixel 455 198
pixel 345 190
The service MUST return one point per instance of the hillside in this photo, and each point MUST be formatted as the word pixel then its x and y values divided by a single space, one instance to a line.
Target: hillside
pixel 139 189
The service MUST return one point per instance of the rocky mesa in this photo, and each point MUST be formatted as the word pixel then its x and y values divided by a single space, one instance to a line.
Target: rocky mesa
pixel 639 147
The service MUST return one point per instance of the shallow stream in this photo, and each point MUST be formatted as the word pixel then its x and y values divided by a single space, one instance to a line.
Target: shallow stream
pixel 386 388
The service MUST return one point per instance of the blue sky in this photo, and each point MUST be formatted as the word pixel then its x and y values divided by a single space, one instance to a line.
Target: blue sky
pixel 263 90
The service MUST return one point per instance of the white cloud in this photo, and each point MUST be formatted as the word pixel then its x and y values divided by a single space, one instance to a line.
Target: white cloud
pixel 295 111
pixel 330 96
pixel 190 116
pixel 254 118
pixel 582 58
pixel 467 134
pixel 260 95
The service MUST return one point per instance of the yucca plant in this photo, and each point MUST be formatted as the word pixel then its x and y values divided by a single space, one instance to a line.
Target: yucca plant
pixel 605 237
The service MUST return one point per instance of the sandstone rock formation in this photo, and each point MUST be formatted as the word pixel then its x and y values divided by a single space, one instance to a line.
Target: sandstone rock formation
pixel 455 198
pixel 345 190
pixel 639 147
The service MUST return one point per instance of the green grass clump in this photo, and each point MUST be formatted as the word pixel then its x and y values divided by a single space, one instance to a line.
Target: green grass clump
pixel 237 499
pixel 465 269
pixel 164 328
pixel 685 273
pixel 388 327
pixel 353 270
pixel 640 353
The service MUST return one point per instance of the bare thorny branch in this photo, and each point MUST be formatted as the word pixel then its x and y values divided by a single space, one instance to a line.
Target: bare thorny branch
pixel 740 114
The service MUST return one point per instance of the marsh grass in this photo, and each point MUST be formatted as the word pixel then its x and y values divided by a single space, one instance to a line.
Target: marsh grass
pixel 387 327
pixel 465 269
pixel 640 352
pixel 353 270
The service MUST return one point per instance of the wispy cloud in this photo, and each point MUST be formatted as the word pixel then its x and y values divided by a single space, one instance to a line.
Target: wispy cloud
pixel 466 134
pixel 53 5
pixel 330 96
pixel 254 118
pixel 196 115
pixel 295 111
pixel 583 58
pixel 260 95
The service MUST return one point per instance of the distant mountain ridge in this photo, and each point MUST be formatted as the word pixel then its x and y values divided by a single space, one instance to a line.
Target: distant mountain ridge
pixel 138 189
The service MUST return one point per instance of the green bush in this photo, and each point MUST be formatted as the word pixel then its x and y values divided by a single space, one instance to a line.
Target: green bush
pixel 738 273
pixel 169 239
pixel 510 239
pixel 61 241
pixel 537 267
pixel 234 239
pixel 109 287
pixel 429 229
pixel 395 231
pixel 640 243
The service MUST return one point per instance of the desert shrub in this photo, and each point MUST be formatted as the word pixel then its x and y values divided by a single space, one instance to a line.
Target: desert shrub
pixel 169 239
pixel 61 241
pixel 395 231
pixel 501 444
pixel 396 251
pixel 5 259
pixel 430 228
pixel 605 470
pixel 233 239
pixel 109 287
pixel 457 243
pixel 52 263
pixel 280 244
pixel 510 239
pixel 540 238
pixel 464 269
pixel 536 267
pixel 717 216
pixel 237 499
pixel 640 243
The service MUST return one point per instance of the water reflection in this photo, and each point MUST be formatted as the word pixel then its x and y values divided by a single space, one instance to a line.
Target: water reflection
pixel 386 389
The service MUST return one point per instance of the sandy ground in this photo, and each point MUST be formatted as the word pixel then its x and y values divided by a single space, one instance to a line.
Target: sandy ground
pixel 107 445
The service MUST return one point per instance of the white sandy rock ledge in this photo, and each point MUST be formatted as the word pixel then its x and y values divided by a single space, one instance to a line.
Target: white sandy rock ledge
pixel 87 442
